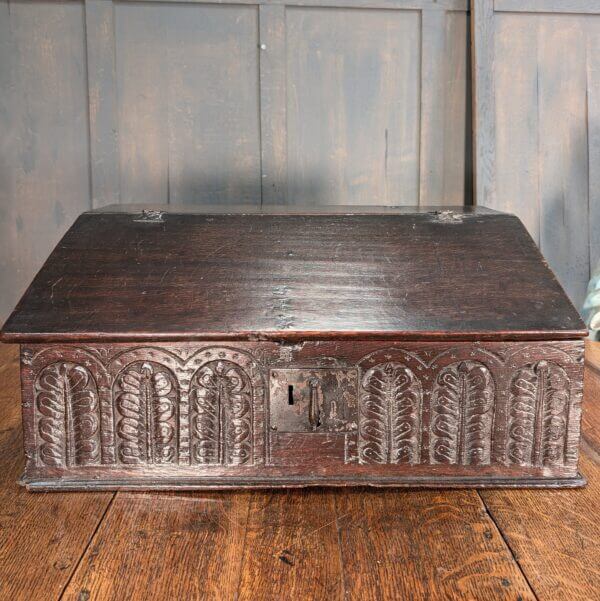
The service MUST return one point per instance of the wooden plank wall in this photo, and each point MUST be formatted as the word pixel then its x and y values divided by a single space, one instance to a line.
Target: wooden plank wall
pixel 299 101
pixel 44 135
pixel 537 123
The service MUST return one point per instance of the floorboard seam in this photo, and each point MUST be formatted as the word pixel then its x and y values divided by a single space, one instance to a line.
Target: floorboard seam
pixel 242 560
pixel 507 545
pixel 340 548
pixel 89 543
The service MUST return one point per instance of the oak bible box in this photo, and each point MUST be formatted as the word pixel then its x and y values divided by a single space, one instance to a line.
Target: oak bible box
pixel 209 348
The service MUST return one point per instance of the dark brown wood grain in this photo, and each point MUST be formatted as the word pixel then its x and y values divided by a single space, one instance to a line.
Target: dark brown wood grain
pixel 41 538
pixel 411 274
pixel 165 546
pixel 315 544
pixel 291 548
pixel 440 545
pixel 212 415
pixel 558 530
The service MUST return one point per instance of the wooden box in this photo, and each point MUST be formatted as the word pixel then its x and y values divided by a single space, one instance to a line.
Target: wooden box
pixel 213 348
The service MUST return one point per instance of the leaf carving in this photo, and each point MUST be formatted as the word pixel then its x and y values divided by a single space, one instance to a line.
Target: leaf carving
pixel 538 415
pixel 146 399
pixel 69 422
pixel 221 397
pixel 390 415
pixel 462 414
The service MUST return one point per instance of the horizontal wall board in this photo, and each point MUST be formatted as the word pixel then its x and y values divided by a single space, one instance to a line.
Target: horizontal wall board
pixel 454 5
pixel 591 7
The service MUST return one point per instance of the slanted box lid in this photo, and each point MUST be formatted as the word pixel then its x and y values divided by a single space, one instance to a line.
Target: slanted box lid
pixel 246 273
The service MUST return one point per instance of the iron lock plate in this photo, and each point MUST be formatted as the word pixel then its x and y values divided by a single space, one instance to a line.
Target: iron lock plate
pixel 313 400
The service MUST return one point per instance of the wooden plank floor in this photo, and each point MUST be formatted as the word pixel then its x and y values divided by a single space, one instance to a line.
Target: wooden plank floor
pixel 315 544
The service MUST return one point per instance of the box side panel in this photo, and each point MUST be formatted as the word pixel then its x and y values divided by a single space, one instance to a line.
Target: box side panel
pixel 203 415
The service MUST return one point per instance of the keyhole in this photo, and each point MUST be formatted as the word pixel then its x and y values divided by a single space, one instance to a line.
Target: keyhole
pixel 290 395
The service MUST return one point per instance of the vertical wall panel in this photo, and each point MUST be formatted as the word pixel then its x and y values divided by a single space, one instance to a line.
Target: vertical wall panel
pixel 443 107
pixel 563 151
pixel 44 166
pixel 484 114
pixel 433 101
pixel 273 104
pixel 142 97
pixel 456 111
pixel 517 127
pixel 353 106
pixel 187 80
pixel 104 134
pixel 593 95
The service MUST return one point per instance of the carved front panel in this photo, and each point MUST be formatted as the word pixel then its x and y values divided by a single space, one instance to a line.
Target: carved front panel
pixel 462 412
pixel 221 398
pixel 390 415
pixel 146 409
pixel 539 405
pixel 329 408
pixel 68 418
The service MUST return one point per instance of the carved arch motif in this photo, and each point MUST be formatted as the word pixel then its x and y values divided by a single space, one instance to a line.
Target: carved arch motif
pixel 66 399
pixel 146 400
pixel 538 415
pixel 462 408
pixel 390 415
pixel 221 398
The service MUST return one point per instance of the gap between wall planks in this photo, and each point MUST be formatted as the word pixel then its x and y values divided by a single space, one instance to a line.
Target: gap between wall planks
pixel 536 68
pixel 353 543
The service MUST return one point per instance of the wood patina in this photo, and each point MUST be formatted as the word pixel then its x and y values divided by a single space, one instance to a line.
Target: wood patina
pixel 168 347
